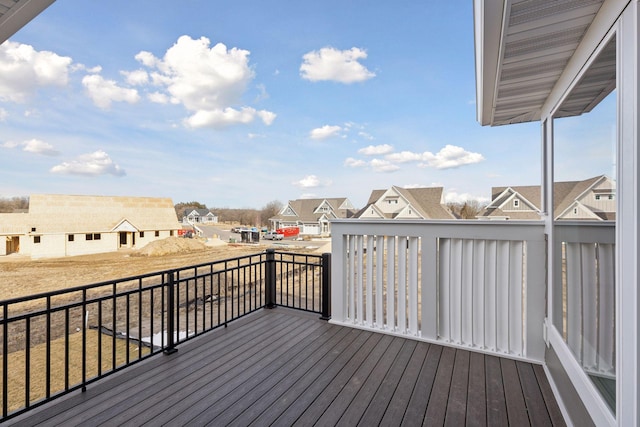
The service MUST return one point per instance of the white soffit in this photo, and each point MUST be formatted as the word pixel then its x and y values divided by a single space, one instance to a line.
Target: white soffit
pixel 522 48
pixel 15 14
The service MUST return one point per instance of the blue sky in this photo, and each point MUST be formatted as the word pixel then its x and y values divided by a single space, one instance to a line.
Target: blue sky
pixel 236 104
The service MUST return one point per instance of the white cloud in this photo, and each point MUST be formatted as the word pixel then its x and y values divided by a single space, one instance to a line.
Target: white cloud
pixel 453 197
pixel 91 164
pixel 404 157
pixel 383 166
pixel 325 132
pixel 34 146
pixel 354 163
pixel 451 156
pixel 3 114
pixel 336 65
pixel 136 77
pixel 147 59
pixel 228 116
pixel 376 150
pixel 310 181
pixel 23 69
pixel 158 98
pixel 10 144
pixel 255 135
pixel 208 81
pixel 39 147
pixel 365 135
pixel 103 92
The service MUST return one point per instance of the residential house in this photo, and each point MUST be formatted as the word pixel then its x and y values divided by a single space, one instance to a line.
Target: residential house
pixel 590 199
pixel 65 225
pixel 406 203
pixel 312 216
pixel 199 216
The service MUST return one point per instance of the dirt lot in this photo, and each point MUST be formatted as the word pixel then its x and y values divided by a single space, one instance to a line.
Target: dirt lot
pixel 20 276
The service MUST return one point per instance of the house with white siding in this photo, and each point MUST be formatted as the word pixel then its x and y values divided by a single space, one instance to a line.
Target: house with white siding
pixel 200 216
pixel 65 225
pixel 406 203
pixel 312 216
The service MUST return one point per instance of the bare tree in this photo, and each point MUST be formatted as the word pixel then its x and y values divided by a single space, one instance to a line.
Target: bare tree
pixel 269 210
pixel 13 204
pixel 469 209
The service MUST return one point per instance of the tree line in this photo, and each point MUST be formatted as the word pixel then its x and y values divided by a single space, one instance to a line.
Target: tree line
pixel 13 204
pixel 242 216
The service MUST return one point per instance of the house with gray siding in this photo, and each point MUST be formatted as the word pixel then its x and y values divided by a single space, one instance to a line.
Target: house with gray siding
pixel 589 199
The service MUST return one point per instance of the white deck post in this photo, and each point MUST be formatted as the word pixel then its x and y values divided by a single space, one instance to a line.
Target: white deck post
pixel 628 226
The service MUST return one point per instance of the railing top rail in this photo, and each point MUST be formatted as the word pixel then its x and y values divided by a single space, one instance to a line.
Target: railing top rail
pixel 468 229
pixel 116 281
pixel 460 222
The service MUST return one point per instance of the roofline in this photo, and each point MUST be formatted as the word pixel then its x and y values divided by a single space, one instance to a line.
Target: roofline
pixel 488 31
pixel 19 15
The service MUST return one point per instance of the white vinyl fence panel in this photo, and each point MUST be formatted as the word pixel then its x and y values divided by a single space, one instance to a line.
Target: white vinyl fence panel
pixel 472 284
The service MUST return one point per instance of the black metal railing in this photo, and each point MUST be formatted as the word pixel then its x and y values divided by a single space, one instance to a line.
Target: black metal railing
pixel 57 342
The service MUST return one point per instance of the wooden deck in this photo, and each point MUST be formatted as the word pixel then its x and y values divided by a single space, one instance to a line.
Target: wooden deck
pixel 284 367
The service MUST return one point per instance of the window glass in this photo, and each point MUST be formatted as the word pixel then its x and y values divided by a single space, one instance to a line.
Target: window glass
pixel 584 215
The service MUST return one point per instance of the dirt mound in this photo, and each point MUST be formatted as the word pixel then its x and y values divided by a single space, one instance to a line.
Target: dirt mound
pixel 171 245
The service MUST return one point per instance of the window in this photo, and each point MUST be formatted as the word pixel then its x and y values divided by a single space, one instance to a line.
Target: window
pixel 142 234
pixel 36 239
pixel 610 196
pixel 597 197
pixel 575 211
pixel 516 203
pixel 88 236
pixel 96 236
pixel 33 229
pixel 70 237
pixel 157 233
pixel 171 233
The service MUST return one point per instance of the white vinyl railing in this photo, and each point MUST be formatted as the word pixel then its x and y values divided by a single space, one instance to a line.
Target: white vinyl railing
pixel 472 284
pixel 585 275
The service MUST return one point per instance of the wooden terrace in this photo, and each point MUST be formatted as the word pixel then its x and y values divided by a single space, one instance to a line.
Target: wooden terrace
pixel 286 367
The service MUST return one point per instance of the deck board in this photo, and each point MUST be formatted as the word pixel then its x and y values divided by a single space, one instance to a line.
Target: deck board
pixel 437 407
pixel 285 367
pixel 477 398
pixel 496 404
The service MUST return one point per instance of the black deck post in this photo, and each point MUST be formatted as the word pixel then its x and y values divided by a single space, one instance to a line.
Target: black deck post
pixel 270 282
pixel 326 286
pixel 171 312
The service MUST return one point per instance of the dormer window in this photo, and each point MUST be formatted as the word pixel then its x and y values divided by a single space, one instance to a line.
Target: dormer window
pixel 516 203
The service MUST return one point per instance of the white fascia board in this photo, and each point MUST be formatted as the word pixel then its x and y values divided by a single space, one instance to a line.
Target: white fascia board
pixel 19 15
pixel 488 34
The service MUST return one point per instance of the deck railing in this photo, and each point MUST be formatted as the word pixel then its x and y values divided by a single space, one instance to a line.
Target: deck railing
pixel 472 284
pixel 58 342
pixel 585 293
